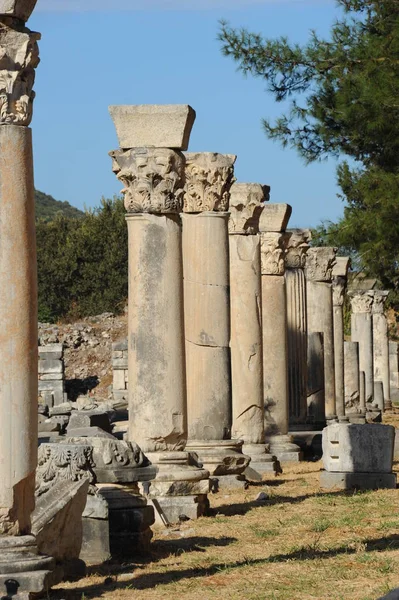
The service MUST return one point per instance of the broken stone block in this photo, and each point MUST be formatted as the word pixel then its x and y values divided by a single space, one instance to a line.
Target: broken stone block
pixel 85 419
pixel 161 126
pixel 275 217
pixel 20 9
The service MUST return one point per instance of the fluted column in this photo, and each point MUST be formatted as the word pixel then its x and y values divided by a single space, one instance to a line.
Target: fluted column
pixel 273 224
pixel 246 205
pixel 362 332
pixel 319 265
pixel 340 274
pixel 209 177
pixel 381 345
pixel 154 180
pixel 297 323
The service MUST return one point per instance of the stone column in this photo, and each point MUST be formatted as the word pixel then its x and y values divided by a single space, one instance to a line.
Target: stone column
pixel 381 345
pixel 355 407
pixel 362 332
pixel 297 323
pixel 393 366
pixel 18 309
pixel 319 265
pixel 246 205
pixel 273 224
pixel 209 177
pixel 340 274
pixel 153 175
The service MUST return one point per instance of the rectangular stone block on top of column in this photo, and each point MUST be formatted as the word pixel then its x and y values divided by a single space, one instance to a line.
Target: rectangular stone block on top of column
pixel 319 265
pixel 381 346
pixel 154 181
pixel 297 323
pixel 19 562
pixel 209 177
pixel 340 275
pixel 247 202
pixel 362 332
pixel 272 225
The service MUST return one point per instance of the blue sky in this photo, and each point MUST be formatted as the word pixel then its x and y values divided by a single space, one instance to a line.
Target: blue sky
pixel 100 52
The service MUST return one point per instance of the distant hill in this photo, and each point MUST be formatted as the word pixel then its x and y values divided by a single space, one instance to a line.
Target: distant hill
pixel 47 208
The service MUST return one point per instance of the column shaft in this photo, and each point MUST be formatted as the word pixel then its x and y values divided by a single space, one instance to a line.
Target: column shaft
pixel 338 317
pixel 362 332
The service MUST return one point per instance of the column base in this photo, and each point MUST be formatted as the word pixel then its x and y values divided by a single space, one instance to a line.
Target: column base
pixel 180 489
pixel 358 481
pixel 224 483
pixel 283 447
pixel 220 457
pixel 23 572
pixel 262 461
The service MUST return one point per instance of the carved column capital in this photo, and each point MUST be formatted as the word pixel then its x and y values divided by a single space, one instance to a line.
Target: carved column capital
pixel 380 297
pixel 209 177
pixel 319 264
pixel 247 201
pixel 272 253
pixel 19 56
pixel 60 462
pixel 362 302
pixel 339 288
pixel 297 243
pixel 153 179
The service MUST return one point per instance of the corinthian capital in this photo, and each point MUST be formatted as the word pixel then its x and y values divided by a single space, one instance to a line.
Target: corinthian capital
pixel 247 201
pixel 297 248
pixel 339 288
pixel 272 253
pixel 379 301
pixel 362 302
pixel 319 264
pixel 209 177
pixel 19 56
pixel 153 179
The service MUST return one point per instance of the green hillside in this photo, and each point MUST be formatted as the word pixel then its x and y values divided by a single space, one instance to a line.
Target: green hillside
pixel 47 208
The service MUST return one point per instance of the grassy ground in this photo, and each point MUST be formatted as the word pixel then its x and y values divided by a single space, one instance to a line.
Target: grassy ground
pixel 299 544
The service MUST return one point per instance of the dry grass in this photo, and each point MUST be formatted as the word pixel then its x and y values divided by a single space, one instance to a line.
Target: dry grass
pixel 300 544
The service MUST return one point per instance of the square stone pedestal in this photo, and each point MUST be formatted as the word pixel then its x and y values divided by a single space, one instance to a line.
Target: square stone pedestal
pixel 357 481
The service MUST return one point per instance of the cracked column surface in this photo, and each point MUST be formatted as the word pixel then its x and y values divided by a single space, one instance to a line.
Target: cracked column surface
pixel 362 332
pixel 209 177
pixel 319 265
pixel 273 224
pixel 340 275
pixel 246 205
pixel 154 179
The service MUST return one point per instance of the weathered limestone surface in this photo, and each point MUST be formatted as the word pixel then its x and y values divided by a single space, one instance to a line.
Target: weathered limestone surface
pixel 319 265
pixel 362 332
pixel 340 274
pixel 120 379
pixel 316 394
pixel 394 365
pixel 20 9
pixel 51 375
pixel 352 375
pixel 161 126
pixel 295 260
pixel 381 346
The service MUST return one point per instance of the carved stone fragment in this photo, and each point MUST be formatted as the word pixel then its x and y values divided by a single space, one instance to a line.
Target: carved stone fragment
pixel 320 263
pixel 362 302
pixel 209 177
pixel 60 462
pixel 19 56
pixel 246 206
pixel 338 289
pixel 272 253
pixel 153 179
pixel 379 302
pixel 18 9
pixel 297 248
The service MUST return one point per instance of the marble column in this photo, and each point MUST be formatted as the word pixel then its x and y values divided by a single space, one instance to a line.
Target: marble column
pixel 319 265
pixel 340 275
pixel 18 311
pixel 297 323
pixel 154 179
pixel 246 205
pixel 394 366
pixel 362 332
pixel 273 224
pixel 355 408
pixel 381 345
pixel 209 177
pixel 315 391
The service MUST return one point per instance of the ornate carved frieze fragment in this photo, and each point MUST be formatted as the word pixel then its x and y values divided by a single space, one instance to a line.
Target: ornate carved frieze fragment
pixel 320 263
pixel 59 462
pixel 272 253
pixel 247 201
pixel 209 177
pixel 362 302
pixel 153 179
pixel 19 56
pixel 297 248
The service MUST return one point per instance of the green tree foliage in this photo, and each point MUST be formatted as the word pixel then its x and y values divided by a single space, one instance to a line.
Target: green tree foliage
pixel 342 98
pixel 47 208
pixel 82 263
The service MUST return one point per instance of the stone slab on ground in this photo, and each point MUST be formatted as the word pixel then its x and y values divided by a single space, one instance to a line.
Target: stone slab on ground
pixel 358 481
pixel 177 509
pixel 220 483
